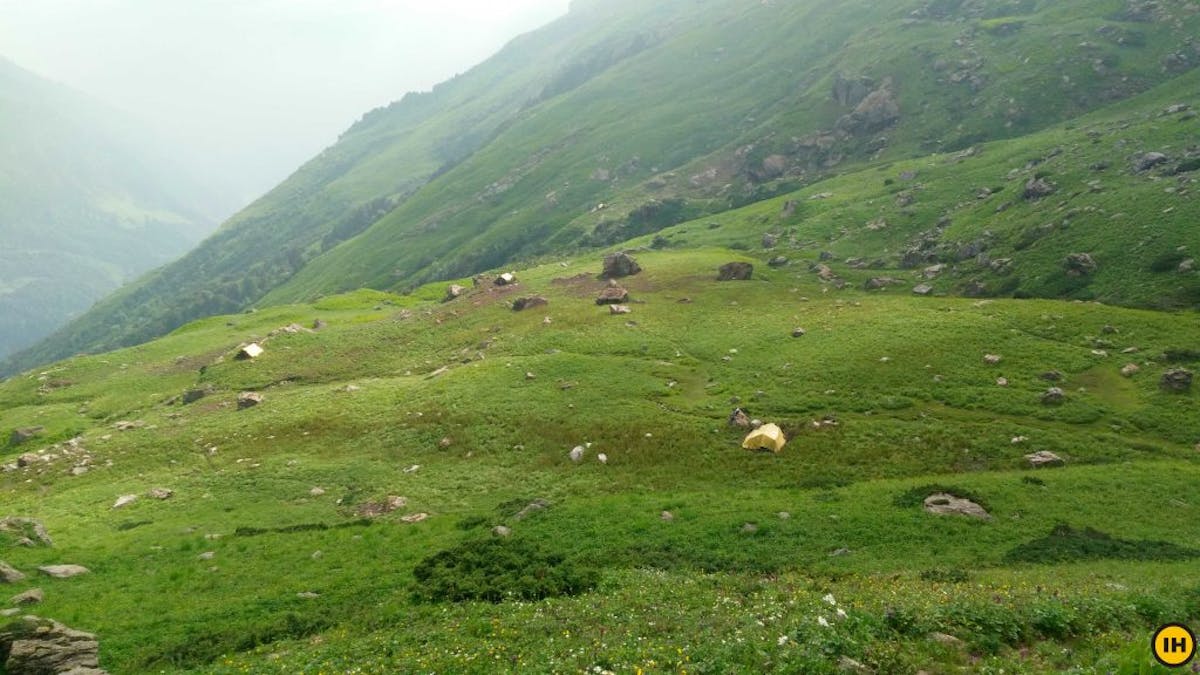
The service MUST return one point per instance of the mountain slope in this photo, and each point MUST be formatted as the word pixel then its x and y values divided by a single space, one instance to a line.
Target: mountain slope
pixel 86 204
pixel 624 118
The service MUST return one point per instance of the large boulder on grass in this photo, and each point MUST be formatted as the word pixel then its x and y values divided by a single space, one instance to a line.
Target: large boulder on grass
pixel 735 271
pixel 620 265
pixel 35 646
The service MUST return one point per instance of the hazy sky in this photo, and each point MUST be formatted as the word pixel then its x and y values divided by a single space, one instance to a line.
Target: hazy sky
pixel 258 86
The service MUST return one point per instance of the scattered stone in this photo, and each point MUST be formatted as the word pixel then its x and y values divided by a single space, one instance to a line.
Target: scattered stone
pixel 36 646
pixel 317 492
pixel 1149 160
pixel 799 332
pixel 1052 376
pixel 318 324
pixel 32 596
pixel 1054 396
pixel 412 469
pixel 1131 369
pixel 308 595
pixel 840 552
pixel 192 395
pixel 207 555
pixel 506 279
pixel 667 516
pixel 602 458
pixel 415 518
pixel 522 304
pixel 532 508
pixel 126 425
pixel 1037 188
pixel 1002 382
pixel 63 571
pixel 530 376
pixel 445 443
pixel 943 504
pixel 613 295
pixel 10 574
pixel 735 271
pixel 945 639
pixel 992 359
pixel 739 418
pixel 619 265
pixel 619 309
pixel 1079 264
pixel 501 531
pixel 749 528
pixel 376 509
pixel 880 283
pixel 124 500
pixel 922 289
pixel 248 399
pixel 454 292
pixel 770 240
pixel 250 351
pixel 849 665
pixel 784 515
pixel 1178 381
pixel 577 453
pixel 777 261
pixel 23 434
pixel 160 493
pixel 1044 459
pixel 27 529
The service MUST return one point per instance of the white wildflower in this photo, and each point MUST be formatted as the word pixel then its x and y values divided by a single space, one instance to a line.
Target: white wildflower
pixel 829 599
pixel 822 622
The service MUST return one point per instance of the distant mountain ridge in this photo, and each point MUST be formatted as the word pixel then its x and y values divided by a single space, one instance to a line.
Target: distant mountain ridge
pixel 621 119
pixel 87 203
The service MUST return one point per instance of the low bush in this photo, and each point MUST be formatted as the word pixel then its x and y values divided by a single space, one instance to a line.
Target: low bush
pixel 500 569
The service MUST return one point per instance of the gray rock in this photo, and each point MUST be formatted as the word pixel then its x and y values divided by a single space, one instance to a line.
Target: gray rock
pixel 522 304
pixel 735 271
pixel 849 665
pixel 1037 188
pixel 1079 264
pixel 506 279
pixel 249 399
pixel 454 292
pixel 192 395
pixel 922 289
pixel 577 453
pixel 619 309
pixel 160 493
pixel 945 639
pixel 32 596
pixel 532 508
pixel 36 646
pixel 777 261
pixel 26 529
pixel 944 504
pixel 879 283
pixel 619 265
pixel 124 500
pixel 1054 396
pixel 613 295
pixel 1149 160
pixel 1045 458
pixel 10 574
pixel 63 571
pixel 1177 381
pixel 1187 266
pixel 799 332
pixel 770 240
pixel 501 531
pixel 24 434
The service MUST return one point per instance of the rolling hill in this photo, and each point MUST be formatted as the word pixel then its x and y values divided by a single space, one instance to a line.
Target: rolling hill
pixel 624 118
pixel 87 204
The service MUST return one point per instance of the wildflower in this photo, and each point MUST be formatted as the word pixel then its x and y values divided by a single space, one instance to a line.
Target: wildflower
pixel 823 623
pixel 782 640
pixel 841 614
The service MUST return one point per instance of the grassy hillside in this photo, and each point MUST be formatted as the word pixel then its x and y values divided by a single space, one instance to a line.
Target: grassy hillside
pixel 625 118
pixel 469 409
pixel 87 203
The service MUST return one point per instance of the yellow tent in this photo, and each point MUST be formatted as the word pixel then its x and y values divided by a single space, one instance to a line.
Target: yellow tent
pixel 767 437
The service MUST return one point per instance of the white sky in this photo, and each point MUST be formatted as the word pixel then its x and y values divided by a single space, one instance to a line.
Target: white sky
pixel 258 86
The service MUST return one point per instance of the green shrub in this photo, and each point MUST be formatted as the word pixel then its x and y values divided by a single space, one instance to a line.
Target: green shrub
pixel 946 575
pixel 1066 544
pixel 500 569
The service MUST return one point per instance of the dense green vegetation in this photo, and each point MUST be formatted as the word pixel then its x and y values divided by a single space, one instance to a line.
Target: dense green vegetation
pixel 623 118
pixel 87 203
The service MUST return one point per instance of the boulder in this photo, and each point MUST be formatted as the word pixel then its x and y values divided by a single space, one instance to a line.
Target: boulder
pixel 160 494
pixel 454 292
pixel 1130 369
pixel 532 508
pixel 522 304
pixel 32 596
pixel 27 529
pixel 63 571
pixel 1187 266
pixel 248 399
pixel 922 289
pixel 1037 188
pixel 36 646
pixel 506 279
pixel 1043 459
pixel 799 332
pixel 735 271
pixel 10 574
pixel 619 265
pixel 945 504
pixel 1149 160
pixel 777 261
pixel 192 395
pixel 124 500
pixel 879 283
pixel 613 295
pixel 501 531
pixel 1177 381
pixel 1079 264
pixel 1054 396
pixel 770 240
pixel 23 434
pixel 992 359
pixel 250 351
pixel 877 111
pixel 577 453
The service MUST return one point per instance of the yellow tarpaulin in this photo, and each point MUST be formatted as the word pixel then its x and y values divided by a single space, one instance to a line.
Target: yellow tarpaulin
pixel 767 437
